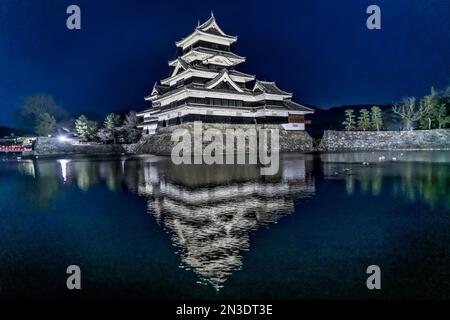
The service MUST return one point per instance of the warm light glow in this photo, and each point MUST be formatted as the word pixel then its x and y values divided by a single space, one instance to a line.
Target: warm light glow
pixel 63 138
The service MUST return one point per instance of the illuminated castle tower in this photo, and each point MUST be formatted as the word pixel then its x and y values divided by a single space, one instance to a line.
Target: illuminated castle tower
pixel 205 86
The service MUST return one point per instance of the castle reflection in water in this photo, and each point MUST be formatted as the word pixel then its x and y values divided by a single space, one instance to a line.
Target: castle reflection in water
pixel 209 211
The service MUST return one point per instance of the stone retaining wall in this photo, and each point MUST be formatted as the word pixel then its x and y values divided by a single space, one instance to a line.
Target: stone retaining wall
pixel 290 141
pixel 384 140
pixel 161 144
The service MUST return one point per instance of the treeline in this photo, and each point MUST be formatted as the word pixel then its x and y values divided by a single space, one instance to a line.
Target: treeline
pixel 372 120
pixel 47 118
pixel 430 112
pixel 113 130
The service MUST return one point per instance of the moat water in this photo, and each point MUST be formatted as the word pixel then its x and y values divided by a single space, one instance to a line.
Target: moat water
pixel 141 227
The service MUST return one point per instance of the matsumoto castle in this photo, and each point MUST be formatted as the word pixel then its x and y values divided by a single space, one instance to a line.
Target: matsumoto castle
pixel 204 86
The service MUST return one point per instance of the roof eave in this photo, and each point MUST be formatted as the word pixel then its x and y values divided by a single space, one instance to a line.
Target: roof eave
pixel 197 31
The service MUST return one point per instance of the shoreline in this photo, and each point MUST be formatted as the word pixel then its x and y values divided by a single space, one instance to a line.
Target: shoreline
pixel 138 155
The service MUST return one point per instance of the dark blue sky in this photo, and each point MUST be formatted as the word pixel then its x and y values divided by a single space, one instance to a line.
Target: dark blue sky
pixel 320 50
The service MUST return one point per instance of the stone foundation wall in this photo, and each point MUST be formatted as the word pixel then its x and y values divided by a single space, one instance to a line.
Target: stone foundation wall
pixel 384 140
pixel 161 144
pixel 290 141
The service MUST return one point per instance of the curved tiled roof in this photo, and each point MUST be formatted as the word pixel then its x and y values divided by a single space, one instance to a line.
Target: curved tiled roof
pixel 269 87
pixel 291 105
pixel 231 72
pixel 211 26
pixel 227 54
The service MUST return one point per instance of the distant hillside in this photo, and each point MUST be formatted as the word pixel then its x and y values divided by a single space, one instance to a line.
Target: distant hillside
pixel 331 119
pixel 5 131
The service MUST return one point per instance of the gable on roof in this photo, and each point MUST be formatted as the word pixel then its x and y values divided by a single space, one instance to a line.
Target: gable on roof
pixel 223 77
pixel 157 90
pixel 154 90
pixel 220 60
pixel 211 26
pixel 202 54
pixel 180 65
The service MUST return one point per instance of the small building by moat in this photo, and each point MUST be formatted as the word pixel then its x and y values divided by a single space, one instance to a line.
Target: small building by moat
pixel 205 86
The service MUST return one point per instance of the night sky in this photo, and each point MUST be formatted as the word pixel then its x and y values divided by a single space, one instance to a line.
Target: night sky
pixel 319 50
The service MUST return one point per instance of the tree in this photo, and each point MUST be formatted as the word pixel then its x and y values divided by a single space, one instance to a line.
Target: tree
pixel 349 122
pixel 35 105
pixel 376 117
pixel 45 124
pixel 437 107
pixel 444 109
pixel 430 104
pixel 441 116
pixel 364 120
pixel 410 111
pixel 85 128
pixel 103 135
pixel 131 132
pixel 112 123
pixel 428 118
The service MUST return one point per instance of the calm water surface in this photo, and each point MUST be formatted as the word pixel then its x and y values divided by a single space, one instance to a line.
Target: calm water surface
pixel 141 227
